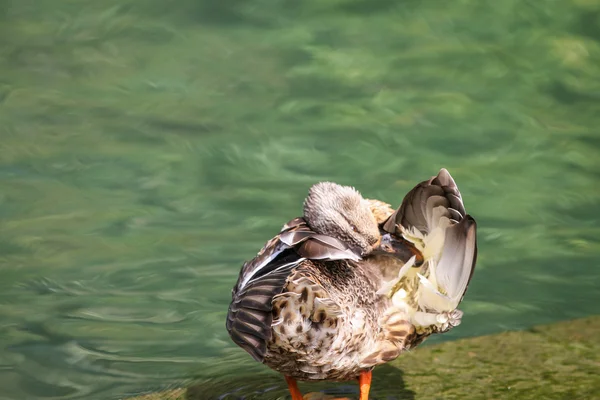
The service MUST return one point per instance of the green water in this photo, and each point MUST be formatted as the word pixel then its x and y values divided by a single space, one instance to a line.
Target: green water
pixel 148 148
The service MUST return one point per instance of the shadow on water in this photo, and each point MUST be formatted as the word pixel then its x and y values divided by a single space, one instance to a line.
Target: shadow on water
pixel 388 384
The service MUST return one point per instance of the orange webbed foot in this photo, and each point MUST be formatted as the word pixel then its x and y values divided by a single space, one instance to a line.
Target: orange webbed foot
pixel 293 387
pixel 364 383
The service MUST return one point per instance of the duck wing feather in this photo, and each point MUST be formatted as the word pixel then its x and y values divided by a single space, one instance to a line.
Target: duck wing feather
pixel 434 208
pixel 250 315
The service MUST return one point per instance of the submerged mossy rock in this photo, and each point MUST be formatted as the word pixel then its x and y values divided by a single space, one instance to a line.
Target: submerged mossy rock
pixel 559 361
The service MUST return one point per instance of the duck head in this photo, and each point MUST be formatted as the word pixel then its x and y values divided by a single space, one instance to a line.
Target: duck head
pixel 342 213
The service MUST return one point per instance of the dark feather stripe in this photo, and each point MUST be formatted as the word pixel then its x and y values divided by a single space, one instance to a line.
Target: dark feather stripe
pixel 456 215
pixel 272 247
pixel 445 181
pixel 284 257
pixel 252 318
pixel 470 230
pixel 250 313
pixel 413 211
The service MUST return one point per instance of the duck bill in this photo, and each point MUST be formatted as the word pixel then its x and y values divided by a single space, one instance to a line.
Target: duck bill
pixel 392 246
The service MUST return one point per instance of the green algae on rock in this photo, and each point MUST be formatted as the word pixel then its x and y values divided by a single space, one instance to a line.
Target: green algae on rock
pixel 557 361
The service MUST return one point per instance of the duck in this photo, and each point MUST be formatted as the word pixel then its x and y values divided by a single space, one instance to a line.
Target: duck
pixel 353 283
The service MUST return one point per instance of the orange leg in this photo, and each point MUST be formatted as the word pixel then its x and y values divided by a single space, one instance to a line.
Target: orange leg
pixel 364 382
pixel 293 386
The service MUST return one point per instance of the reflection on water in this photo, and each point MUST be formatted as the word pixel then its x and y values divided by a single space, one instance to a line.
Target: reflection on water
pixel 148 149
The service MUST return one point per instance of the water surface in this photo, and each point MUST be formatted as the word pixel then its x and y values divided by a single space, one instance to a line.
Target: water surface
pixel 148 148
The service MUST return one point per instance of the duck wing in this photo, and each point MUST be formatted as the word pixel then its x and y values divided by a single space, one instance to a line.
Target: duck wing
pixel 433 217
pixel 250 315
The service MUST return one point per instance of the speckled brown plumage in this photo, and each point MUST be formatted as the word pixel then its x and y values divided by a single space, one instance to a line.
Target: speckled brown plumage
pixel 330 323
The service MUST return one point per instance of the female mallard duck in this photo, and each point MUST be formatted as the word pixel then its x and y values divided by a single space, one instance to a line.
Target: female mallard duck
pixel 352 284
